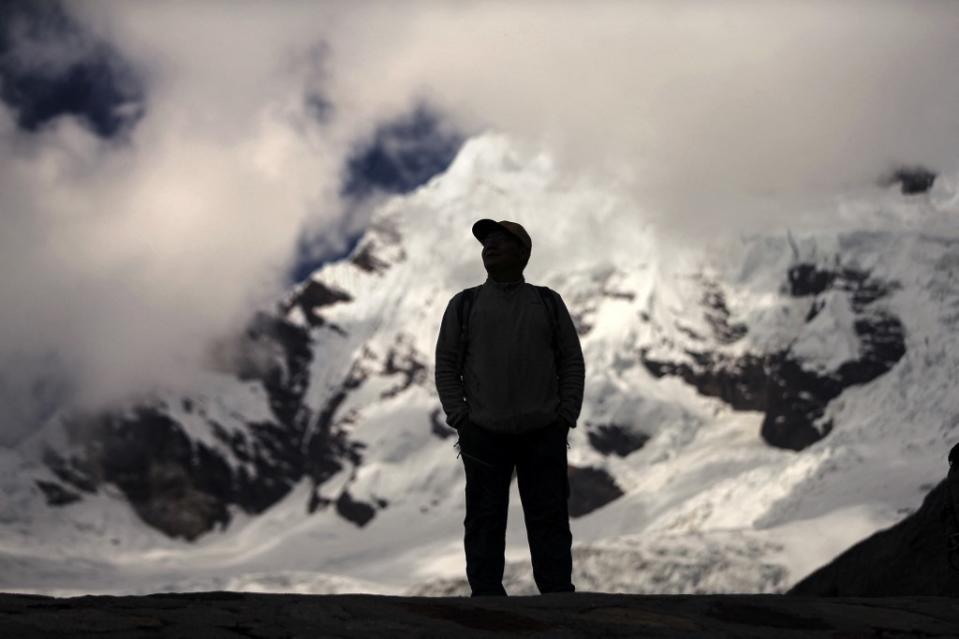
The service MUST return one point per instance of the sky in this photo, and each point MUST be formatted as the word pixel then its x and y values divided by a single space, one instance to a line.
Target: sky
pixel 167 167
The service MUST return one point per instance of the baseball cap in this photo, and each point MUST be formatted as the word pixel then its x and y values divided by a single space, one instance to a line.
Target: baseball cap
pixel 484 227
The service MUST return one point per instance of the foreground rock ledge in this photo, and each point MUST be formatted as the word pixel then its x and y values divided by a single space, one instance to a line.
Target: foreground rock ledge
pixel 231 614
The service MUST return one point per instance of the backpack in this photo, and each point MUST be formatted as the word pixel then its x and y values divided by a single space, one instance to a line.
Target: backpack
pixel 463 313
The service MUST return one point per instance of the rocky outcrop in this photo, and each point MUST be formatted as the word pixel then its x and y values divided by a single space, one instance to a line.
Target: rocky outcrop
pixel 183 485
pixel 798 395
pixel 365 259
pixel 912 180
pixel 590 488
pixel 581 614
pixel 614 439
pixel 917 556
pixel 380 248
pixel 56 494
pixel 793 395
pixel 356 511
pixel 311 298
pixel 717 314
pixel 287 382
pixel 404 360
pixel 174 484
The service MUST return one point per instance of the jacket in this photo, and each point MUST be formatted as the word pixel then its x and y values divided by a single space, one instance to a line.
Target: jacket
pixel 511 380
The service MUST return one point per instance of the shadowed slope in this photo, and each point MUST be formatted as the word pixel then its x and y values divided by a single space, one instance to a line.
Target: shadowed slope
pixel 912 557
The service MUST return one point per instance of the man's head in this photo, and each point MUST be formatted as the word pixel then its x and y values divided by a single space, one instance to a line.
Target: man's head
pixel 506 248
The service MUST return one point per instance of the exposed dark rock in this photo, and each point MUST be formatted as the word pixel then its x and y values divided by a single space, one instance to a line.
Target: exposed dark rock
pixel 325 446
pixel 300 443
pixel 911 557
pixel 615 439
pixel 794 398
pixel 274 448
pixel 181 486
pixel 73 471
pixel 313 296
pixel 328 446
pixel 317 295
pixel 797 398
pixel 808 279
pixel 272 351
pixel 317 501
pixel 814 308
pixel 882 344
pixel 912 180
pixel 579 614
pixel 590 488
pixel 365 260
pixel 184 487
pixel 690 333
pixel 741 382
pixel 403 359
pixel 862 289
pixel 438 424
pixel 276 460
pixel 178 486
pixel 56 494
pixel 285 385
pixel 717 315
pixel 357 512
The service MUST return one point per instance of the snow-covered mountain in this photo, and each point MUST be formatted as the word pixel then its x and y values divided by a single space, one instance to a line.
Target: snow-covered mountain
pixel 753 407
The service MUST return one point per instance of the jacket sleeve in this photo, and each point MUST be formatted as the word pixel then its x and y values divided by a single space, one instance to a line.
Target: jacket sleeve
pixel 571 369
pixel 449 382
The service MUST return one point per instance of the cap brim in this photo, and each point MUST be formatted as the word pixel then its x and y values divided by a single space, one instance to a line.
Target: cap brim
pixel 486 226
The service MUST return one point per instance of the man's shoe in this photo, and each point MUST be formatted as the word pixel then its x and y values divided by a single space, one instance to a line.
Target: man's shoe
pixel 489 592
pixel 564 588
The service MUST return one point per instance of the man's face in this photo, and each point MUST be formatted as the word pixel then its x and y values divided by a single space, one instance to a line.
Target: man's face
pixel 500 249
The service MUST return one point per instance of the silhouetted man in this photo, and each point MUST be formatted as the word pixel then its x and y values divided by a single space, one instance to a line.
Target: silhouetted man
pixel 510 375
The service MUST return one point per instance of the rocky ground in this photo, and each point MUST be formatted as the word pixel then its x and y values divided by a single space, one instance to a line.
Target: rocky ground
pixel 230 614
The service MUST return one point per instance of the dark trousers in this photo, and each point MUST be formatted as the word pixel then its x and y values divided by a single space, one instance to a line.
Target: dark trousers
pixel 539 457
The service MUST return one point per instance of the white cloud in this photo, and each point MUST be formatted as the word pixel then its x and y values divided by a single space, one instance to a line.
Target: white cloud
pixel 703 108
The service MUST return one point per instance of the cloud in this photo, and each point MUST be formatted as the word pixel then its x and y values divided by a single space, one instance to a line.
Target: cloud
pixel 708 112
pixel 122 259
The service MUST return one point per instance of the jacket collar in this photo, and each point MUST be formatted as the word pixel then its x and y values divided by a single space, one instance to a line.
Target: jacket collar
pixel 504 287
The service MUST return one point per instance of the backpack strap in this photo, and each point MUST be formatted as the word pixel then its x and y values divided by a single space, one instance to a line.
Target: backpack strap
pixel 463 305
pixel 546 294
